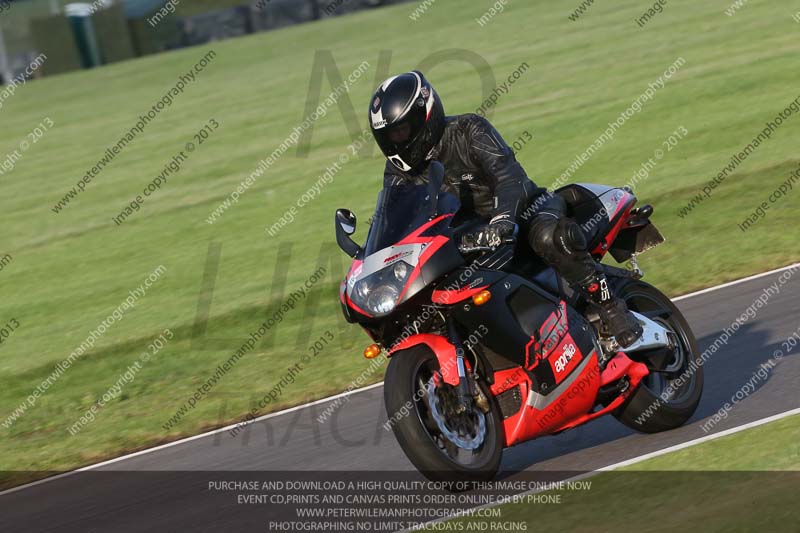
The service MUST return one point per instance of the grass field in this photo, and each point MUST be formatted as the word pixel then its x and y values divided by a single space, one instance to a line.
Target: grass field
pixel 741 482
pixel 69 271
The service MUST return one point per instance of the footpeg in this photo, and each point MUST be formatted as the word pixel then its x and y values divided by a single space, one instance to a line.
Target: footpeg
pixel 609 392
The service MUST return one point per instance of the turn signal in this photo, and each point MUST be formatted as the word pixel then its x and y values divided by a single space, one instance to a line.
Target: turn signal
pixel 482 297
pixel 372 351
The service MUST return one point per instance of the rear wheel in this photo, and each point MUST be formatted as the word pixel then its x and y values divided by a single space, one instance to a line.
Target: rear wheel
pixel 667 399
pixel 443 444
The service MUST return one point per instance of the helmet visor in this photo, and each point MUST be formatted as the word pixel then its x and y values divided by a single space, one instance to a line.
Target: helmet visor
pixel 400 137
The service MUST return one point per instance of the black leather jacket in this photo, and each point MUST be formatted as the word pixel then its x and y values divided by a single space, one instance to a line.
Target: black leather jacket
pixel 479 167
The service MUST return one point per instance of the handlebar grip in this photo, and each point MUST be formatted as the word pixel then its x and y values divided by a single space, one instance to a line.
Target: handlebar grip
pixel 464 249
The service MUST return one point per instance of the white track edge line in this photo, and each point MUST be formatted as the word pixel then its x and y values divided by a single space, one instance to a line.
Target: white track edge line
pixel 735 282
pixel 328 399
pixel 628 462
pixel 188 439
pixel 700 440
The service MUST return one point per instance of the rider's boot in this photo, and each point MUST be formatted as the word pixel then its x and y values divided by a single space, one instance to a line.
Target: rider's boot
pixel 619 321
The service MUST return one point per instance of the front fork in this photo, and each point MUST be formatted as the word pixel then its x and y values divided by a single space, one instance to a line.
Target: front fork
pixel 453 369
pixel 464 393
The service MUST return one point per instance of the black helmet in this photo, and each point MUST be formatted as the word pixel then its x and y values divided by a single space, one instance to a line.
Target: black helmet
pixel 407 119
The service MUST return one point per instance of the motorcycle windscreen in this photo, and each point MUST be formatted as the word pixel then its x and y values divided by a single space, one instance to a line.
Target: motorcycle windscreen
pixel 400 210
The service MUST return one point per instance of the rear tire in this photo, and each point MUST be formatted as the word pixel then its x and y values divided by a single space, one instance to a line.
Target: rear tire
pixel 645 410
pixel 416 432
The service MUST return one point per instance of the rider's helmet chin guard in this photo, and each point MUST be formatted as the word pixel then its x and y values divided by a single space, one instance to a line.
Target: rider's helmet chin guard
pixel 406 117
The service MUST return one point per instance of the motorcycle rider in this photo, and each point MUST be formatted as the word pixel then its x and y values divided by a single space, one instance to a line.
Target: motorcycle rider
pixel 408 122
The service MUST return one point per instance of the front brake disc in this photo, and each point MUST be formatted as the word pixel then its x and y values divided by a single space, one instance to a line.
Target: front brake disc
pixel 465 441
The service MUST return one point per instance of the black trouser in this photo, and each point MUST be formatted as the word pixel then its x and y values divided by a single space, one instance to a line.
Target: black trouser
pixel 558 239
pixel 561 243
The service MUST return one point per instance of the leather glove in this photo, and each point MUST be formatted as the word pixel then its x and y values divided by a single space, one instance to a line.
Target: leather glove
pixel 492 235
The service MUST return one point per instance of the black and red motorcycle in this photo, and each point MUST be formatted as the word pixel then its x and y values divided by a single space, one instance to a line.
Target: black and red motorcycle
pixel 490 348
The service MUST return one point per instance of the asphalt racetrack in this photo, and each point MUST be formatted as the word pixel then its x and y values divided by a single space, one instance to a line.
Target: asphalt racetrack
pixel 153 490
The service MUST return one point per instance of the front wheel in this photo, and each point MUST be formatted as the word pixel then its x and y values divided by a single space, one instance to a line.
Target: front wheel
pixel 441 443
pixel 664 400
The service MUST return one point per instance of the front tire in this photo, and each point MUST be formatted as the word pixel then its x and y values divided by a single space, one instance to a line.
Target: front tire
pixel 437 457
pixel 651 408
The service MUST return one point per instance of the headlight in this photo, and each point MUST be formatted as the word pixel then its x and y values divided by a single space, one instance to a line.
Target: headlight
pixel 378 293
pixel 362 289
pixel 401 270
pixel 383 299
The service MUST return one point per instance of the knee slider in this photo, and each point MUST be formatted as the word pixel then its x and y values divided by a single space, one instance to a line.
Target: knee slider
pixel 570 237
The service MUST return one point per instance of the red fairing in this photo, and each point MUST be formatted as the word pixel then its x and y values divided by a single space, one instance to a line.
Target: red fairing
pixel 430 246
pixel 508 379
pixel 414 236
pixel 564 358
pixel 624 206
pixel 575 401
pixel 445 352
pixel 552 333
pixel 433 245
pixel 574 405
pixel 621 365
pixel 530 422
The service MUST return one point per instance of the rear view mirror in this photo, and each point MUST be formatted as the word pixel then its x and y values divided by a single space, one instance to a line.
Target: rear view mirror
pixel 346 220
pixel 345 226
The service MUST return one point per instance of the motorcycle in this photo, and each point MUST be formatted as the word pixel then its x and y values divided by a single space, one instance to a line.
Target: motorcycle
pixel 488 347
